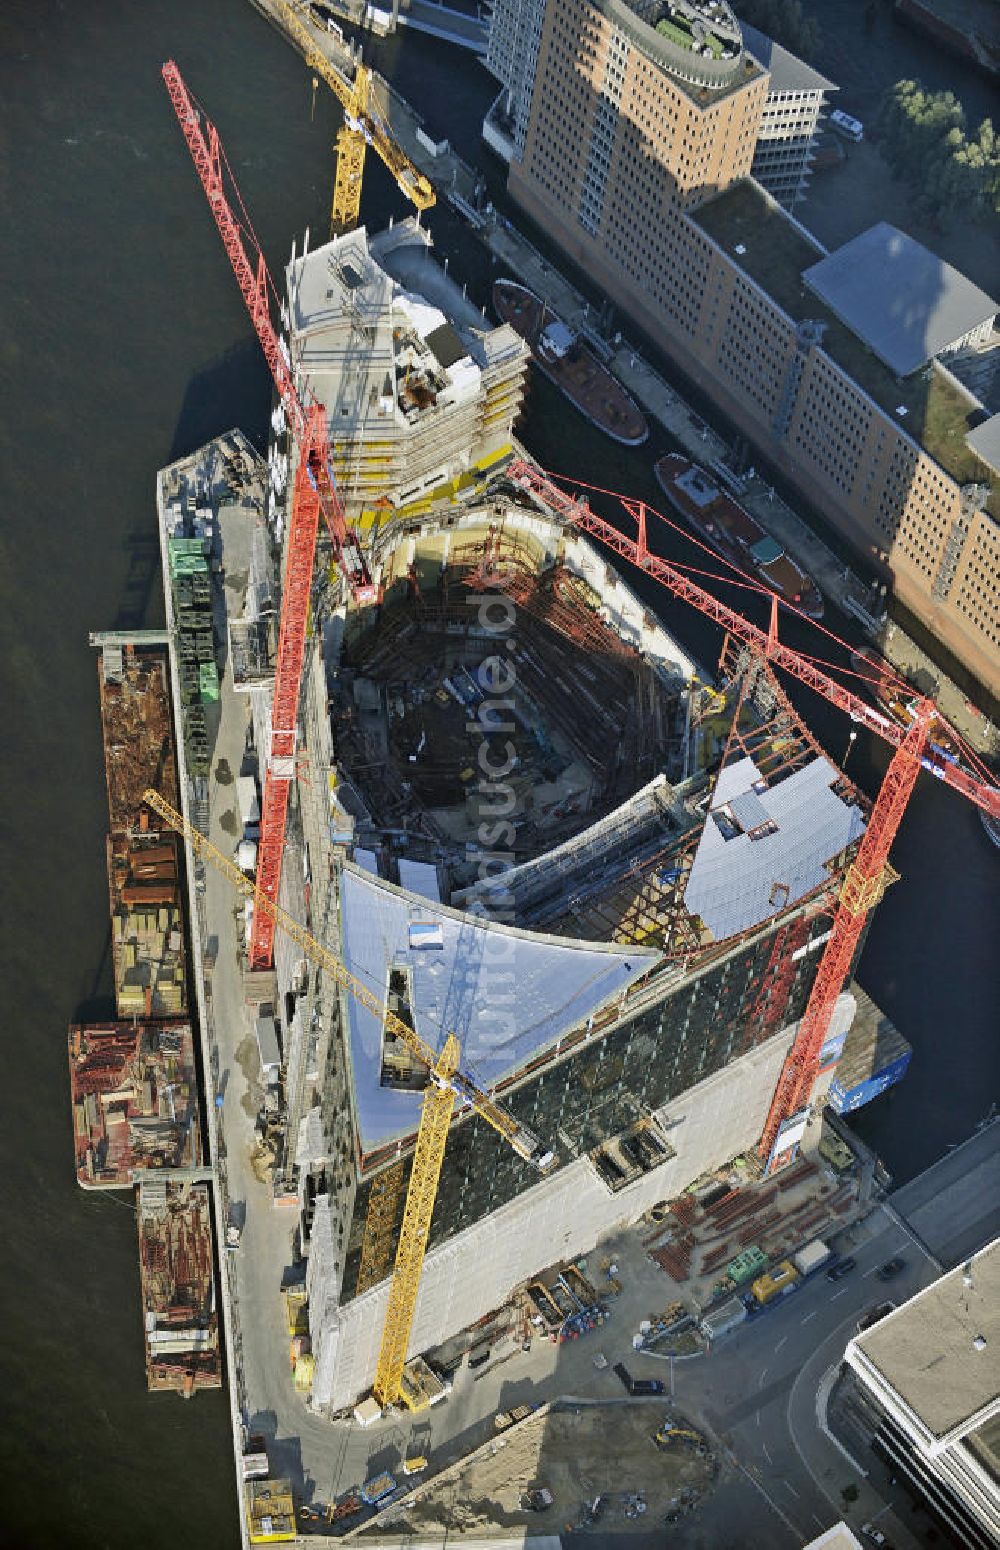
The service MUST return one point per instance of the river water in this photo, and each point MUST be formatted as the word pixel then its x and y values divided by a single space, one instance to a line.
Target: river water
pixel 124 344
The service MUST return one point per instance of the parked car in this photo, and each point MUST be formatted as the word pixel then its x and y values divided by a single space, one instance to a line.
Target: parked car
pixel 844 124
pixel 891 1268
pixel 841 1268
pixel 643 1386
pixel 874 1314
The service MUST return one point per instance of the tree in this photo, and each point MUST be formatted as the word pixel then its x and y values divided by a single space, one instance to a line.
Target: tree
pixel 924 141
pixel 784 21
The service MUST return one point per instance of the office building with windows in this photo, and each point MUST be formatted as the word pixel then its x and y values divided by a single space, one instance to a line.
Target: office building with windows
pixel 845 370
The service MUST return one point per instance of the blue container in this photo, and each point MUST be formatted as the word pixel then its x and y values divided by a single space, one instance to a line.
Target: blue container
pixel 844 1100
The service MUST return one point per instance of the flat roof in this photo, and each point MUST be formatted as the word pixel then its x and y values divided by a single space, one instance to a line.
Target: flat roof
pixel 904 301
pixel 787 71
pixel 765 847
pixel 927 1349
pixel 984 442
pixel 506 994
pixel 773 252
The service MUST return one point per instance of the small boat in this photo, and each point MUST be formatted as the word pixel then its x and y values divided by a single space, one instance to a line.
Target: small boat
pixel 897 698
pixel 562 357
pixel 733 533
pixel 886 686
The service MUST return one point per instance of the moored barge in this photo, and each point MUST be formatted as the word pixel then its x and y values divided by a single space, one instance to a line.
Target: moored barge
pixel 561 356
pixel 734 534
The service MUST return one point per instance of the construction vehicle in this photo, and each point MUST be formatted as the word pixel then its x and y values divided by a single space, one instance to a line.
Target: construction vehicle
pixel 414 1466
pixel 669 1433
pixel 812 1257
pixel 784 1278
pixel 539 1499
pixel 446 1083
pixel 331 1512
pixel 363 126
pixel 869 873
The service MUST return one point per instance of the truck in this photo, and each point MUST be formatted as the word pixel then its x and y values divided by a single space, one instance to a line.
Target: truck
pixel 246 797
pixel 812 1257
pixel 378 1488
pixel 775 1283
pixel 723 1319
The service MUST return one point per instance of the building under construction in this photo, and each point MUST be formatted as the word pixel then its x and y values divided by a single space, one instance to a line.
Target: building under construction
pixel 421 392
pixel 508 833
pixel 519 856
pixel 519 817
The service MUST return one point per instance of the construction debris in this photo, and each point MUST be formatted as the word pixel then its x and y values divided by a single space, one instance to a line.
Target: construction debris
pixel 135 1100
pixel 176 1269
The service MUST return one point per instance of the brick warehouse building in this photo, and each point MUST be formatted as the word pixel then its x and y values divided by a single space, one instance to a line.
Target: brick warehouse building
pixel 635 156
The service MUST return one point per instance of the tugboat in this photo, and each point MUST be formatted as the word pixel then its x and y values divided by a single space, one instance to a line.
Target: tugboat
pixel 733 533
pixel 565 360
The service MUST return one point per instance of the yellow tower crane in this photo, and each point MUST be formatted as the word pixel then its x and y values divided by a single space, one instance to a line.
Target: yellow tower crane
pixel 363 126
pixel 445 1085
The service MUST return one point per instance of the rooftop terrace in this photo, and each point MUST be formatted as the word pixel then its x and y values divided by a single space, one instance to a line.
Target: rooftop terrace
pixel 775 253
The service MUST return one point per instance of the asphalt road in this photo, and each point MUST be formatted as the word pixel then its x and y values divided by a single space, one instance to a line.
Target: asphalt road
pixel 763 1388
pixel 758 1393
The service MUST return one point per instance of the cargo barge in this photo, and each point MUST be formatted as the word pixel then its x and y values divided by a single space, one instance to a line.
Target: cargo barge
pixel 134 1082
pixel 561 356
pixel 135 1100
pixel 734 534
pixel 177 1275
pixel 147 922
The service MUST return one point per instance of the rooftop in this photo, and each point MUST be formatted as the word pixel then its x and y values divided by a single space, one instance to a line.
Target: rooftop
pixel 377 350
pixel 900 298
pixel 929 1350
pixel 984 442
pixel 506 994
pixel 775 252
pixel 765 847
pixel 787 71
pixel 697 42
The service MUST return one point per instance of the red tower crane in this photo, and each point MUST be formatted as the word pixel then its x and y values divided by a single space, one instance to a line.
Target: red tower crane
pixel 866 877
pixel 314 490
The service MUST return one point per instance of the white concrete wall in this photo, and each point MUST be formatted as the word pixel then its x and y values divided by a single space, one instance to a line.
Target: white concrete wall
pixel 559 1218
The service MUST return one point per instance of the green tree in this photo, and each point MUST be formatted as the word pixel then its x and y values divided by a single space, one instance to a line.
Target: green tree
pixel 924 141
pixel 785 22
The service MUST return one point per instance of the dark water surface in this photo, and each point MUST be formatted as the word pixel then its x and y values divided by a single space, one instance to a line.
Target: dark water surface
pixel 123 344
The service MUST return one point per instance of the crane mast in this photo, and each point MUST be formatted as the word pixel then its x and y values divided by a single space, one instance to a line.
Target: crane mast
pixel 314 490
pixel 362 126
pixel 866 878
pixel 446 1083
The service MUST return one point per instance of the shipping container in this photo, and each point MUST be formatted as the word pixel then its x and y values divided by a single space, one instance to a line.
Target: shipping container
pixel 722 1320
pixel 844 1100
